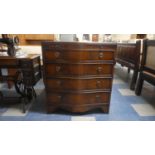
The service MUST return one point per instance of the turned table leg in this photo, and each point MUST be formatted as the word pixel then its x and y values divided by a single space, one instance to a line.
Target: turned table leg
pixel 11 72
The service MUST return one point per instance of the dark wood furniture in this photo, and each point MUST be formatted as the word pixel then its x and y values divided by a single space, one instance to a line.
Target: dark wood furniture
pixel 141 36
pixel 78 76
pixel 128 55
pixel 9 43
pixel 147 70
pixel 34 39
pixel 27 74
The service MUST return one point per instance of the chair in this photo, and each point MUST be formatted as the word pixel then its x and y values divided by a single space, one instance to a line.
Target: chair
pixel 147 69
pixel 128 55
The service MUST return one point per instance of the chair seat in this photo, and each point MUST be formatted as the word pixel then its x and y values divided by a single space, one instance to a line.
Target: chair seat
pixel 150 77
pixel 149 74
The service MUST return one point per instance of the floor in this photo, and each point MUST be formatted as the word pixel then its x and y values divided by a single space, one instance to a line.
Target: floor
pixel 125 105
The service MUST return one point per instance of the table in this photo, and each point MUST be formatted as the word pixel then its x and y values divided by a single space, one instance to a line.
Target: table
pixel 27 72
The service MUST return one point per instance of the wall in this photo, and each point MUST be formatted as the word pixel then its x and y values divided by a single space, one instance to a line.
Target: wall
pixel 120 37
pixel 151 36
pixel 34 39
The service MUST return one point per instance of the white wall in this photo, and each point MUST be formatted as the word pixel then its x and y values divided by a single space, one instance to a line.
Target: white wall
pixel 66 37
pixel 115 37
pixel 120 37
pixel 151 36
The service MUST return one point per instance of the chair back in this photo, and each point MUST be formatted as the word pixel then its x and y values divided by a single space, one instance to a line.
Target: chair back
pixel 148 60
pixel 128 54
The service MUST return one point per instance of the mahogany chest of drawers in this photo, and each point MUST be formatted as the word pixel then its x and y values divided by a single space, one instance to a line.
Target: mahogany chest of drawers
pixel 78 76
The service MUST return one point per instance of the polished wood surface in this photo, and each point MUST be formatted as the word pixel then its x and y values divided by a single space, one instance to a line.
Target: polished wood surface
pixel 11 72
pixel 73 83
pixel 76 98
pixel 79 69
pixel 79 55
pixel 78 76
pixel 128 55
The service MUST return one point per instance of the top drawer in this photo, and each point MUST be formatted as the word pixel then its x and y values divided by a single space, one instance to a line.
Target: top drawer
pixel 6 63
pixel 80 55
pixel 30 63
pixel 50 45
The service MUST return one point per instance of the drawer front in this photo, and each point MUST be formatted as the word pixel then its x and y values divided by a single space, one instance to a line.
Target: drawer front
pixel 9 63
pixel 49 46
pixel 77 84
pixel 78 99
pixel 76 69
pixel 78 55
pixel 26 64
pixel 32 80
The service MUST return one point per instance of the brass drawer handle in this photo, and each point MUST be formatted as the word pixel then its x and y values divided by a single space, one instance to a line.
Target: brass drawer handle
pixel 98 98
pixel 57 46
pixel 59 83
pixel 98 83
pixel 99 69
pixel 56 98
pixel 58 68
pixel 100 55
pixel 59 97
pixel 57 54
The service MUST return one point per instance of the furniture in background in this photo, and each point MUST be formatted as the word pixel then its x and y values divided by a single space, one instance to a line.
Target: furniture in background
pixel 27 50
pixel 95 37
pixel 78 76
pixel 10 44
pixel 67 37
pixel 128 55
pixel 34 39
pixel 141 36
pixel 147 70
pixel 27 74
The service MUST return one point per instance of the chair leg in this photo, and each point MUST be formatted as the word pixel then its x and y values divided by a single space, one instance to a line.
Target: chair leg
pixel 1 98
pixel 139 85
pixel 128 70
pixel 133 80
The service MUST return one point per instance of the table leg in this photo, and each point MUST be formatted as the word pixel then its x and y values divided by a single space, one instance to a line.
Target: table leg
pixel 11 72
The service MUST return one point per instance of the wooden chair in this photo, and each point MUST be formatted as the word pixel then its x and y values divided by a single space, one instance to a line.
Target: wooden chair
pixel 147 69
